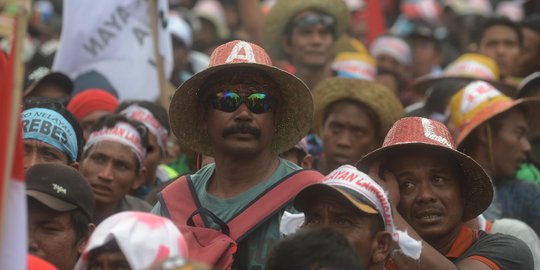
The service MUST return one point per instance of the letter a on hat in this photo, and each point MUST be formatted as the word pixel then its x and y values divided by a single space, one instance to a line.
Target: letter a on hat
pixel 247 55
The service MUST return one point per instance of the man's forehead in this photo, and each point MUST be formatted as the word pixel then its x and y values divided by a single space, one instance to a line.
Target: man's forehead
pixel 114 150
pixel 42 146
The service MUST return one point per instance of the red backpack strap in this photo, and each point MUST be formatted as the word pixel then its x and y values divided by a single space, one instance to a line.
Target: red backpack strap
pixel 179 201
pixel 270 202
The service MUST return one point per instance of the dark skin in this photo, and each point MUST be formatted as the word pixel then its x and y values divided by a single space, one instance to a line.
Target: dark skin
pixel 432 250
pixel 243 160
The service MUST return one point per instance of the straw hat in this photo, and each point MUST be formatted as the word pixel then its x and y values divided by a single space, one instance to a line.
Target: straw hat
pixel 422 132
pixel 284 10
pixel 468 67
pixel 295 100
pixel 478 102
pixel 383 102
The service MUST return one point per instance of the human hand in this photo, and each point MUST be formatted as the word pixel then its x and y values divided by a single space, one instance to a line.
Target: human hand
pixel 388 182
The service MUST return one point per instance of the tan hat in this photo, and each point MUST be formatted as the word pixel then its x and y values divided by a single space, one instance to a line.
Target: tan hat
pixel 377 97
pixel 295 100
pixel 468 67
pixel 422 132
pixel 284 10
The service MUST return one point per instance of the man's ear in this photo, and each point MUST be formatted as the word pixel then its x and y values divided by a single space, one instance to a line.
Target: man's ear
pixel 84 240
pixel 307 162
pixel 75 165
pixel 139 178
pixel 285 45
pixel 381 246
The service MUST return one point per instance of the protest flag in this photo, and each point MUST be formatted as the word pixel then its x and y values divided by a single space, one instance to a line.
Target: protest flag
pixel 13 212
pixel 111 43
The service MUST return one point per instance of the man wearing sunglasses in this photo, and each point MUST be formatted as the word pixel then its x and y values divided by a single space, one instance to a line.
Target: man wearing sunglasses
pixel 304 32
pixel 243 112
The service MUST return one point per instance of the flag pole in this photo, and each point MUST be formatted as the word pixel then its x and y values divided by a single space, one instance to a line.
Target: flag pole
pixel 165 94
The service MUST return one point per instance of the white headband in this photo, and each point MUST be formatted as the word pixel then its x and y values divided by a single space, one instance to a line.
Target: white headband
pixel 122 133
pixel 144 116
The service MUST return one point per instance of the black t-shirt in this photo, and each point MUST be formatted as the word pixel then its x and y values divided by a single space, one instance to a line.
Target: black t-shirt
pixel 504 251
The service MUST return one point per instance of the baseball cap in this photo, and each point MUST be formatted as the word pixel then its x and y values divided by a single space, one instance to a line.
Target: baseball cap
pixel 60 187
pixel 44 75
pixel 357 189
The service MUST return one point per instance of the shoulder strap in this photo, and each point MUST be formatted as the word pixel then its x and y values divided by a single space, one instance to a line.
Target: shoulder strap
pixel 270 202
pixel 179 201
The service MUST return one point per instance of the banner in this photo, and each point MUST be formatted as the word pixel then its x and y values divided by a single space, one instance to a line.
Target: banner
pixel 110 43
pixel 13 216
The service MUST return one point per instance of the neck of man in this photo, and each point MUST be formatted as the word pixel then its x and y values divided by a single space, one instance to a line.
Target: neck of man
pixel 325 167
pixel 234 175
pixel 312 75
pixel 444 243
pixel 104 210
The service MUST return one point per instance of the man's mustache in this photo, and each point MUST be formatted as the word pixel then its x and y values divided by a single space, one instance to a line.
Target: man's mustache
pixel 242 127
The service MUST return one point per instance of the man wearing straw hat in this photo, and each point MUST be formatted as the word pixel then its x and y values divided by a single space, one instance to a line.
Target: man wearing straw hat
pixel 351 117
pixel 244 112
pixel 435 189
pixel 353 204
pixel 304 32
pixel 493 129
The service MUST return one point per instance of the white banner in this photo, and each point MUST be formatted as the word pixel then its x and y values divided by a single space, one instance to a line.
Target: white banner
pixel 114 39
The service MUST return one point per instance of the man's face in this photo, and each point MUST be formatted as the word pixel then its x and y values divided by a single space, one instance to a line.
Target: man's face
pixel 152 159
pixel 529 59
pixel 311 40
pixel 49 90
pixel 51 236
pixel 242 131
pixel 389 62
pixel 429 188
pixel 111 170
pixel 36 152
pixel 114 260
pixel 510 144
pixel 90 120
pixel 501 43
pixel 425 55
pixel 348 134
pixel 330 212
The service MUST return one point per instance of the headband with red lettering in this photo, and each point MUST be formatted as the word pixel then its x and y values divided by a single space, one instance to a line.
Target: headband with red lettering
pixel 144 116
pixel 122 133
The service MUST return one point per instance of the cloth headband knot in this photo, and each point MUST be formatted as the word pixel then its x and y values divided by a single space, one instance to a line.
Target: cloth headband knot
pixel 122 133
pixel 144 116
pixel 349 177
pixel 50 127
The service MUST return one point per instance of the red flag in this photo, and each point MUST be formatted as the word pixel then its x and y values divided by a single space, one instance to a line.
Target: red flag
pixel 13 212
pixel 375 20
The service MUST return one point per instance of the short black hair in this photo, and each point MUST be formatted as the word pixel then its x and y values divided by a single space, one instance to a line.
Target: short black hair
pixel 314 249
pixel 289 27
pixel 497 21
pixel 400 82
pixel 110 121
pixel 80 223
pixel 532 22
pixel 157 111
pixel 51 104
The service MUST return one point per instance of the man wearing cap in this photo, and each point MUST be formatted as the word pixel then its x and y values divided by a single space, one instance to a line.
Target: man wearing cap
pixel 352 203
pixel 392 53
pixel 425 51
pixel 304 32
pixel 243 112
pixel 44 83
pixel 60 213
pixel 351 117
pixel 435 189
pixel 112 163
pixel 50 133
pixel 493 129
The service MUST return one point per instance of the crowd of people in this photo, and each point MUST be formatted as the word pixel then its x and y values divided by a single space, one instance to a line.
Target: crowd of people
pixel 299 137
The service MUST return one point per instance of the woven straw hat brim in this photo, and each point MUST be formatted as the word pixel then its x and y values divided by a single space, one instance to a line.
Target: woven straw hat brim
pixel 424 83
pixel 295 109
pixel 532 106
pixel 384 103
pixel 477 187
pixel 284 11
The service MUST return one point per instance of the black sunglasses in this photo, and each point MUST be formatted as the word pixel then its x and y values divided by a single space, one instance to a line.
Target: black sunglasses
pixel 313 19
pixel 228 101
